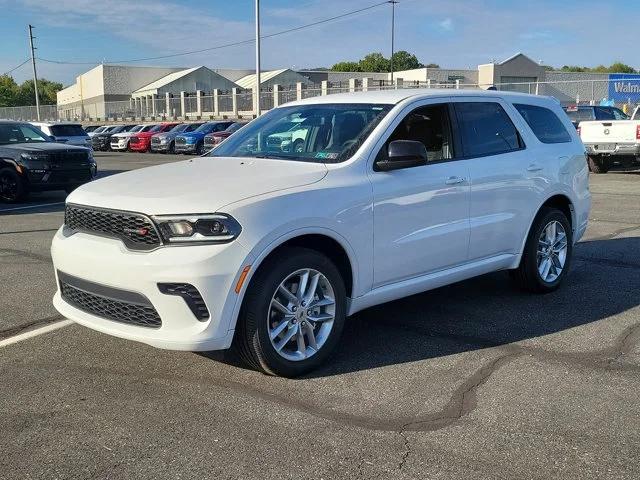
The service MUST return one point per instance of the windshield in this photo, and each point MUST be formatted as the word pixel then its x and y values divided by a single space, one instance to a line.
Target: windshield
pixel 147 128
pixel 155 128
pixel 180 128
pixel 323 133
pixel 193 126
pixel 100 129
pixel 20 133
pixel 234 127
pixel 137 128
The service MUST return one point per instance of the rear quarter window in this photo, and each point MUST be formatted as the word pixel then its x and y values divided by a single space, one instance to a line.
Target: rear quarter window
pixel 544 123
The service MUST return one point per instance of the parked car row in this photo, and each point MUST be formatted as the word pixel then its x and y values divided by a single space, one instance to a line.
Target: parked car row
pixel 165 137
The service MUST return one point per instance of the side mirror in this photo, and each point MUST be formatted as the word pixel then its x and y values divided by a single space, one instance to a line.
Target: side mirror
pixel 52 138
pixel 403 154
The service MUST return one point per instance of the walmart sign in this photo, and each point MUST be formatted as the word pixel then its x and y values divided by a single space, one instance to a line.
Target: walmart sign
pixel 624 87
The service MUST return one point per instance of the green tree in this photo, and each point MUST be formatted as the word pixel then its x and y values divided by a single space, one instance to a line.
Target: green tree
pixel 619 67
pixel 374 62
pixel 46 92
pixel 346 67
pixel 8 91
pixel 404 60
pixel 432 65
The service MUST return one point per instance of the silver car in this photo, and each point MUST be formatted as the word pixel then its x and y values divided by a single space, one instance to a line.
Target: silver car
pixel 165 142
pixel 68 133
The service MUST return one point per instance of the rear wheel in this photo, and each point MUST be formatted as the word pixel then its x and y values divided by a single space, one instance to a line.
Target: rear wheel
pixel 598 164
pixel 12 187
pixel 547 253
pixel 172 147
pixel 200 148
pixel 293 313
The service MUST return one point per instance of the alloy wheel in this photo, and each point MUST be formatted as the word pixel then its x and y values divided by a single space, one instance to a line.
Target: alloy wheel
pixel 301 314
pixel 552 251
pixel 8 187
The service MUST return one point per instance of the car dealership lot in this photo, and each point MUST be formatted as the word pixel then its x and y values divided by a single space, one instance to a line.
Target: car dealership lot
pixel 475 380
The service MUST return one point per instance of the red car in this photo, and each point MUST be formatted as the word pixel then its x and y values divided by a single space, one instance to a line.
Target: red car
pixel 213 139
pixel 141 141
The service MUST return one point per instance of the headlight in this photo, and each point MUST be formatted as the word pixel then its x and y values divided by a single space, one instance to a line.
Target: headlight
pixel 209 228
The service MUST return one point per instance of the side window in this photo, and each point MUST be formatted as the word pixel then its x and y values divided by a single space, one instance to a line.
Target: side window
pixel 603 113
pixel 429 125
pixel 544 123
pixel 619 114
pixel 486 129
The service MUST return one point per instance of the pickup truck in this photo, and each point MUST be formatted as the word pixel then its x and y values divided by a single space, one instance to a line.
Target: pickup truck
pixel 610 142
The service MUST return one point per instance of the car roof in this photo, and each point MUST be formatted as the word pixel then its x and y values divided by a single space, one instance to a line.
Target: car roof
pixel 395 96
pixel 51 124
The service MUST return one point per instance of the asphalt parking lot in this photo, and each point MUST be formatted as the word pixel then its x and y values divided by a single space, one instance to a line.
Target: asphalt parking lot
pixel 474 380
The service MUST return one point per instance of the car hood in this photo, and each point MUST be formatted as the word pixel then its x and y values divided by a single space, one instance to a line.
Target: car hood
pixel 43 147
pixel 191 134
pixel 123 134
pixel 166 134
pixel 199 185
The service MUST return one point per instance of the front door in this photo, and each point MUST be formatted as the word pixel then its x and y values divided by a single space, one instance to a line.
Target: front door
pixel 421 214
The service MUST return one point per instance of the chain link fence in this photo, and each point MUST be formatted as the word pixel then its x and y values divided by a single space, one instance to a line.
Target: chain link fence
pixel 241 102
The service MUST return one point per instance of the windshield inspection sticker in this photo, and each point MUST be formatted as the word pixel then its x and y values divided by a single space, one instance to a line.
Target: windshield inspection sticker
pixel 327 155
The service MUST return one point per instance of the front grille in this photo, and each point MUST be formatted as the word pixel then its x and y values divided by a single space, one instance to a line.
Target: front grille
pixel 69 176
pixel 64 159
pixel 209 141
pixel 155 140
pixel 136 310
pixel 136 230
pixel 181 141
pixel 191 296
pixel 134 140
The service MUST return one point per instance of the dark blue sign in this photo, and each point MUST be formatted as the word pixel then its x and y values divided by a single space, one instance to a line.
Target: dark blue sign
pixel 624 87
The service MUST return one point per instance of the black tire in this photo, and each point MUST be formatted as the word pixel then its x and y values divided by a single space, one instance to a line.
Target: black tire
pixel 252 341
pixel 12 186
pixel 200 148
pixel 598 164
pixel 527 275
pixel 172 148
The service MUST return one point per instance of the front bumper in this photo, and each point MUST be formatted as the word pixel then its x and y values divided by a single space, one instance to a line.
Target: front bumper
pixel 120 145
pixel 159 147
pixel 43 180
pixel 100 144
pixel 141 146
pixel 212 269
pixel 613 149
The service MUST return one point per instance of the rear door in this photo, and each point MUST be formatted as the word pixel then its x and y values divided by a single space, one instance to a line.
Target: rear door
pixel 504 176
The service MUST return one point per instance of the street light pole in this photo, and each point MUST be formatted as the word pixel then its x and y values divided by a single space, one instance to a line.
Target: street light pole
pixel 35 76
pixel 393 27
pixel 257 58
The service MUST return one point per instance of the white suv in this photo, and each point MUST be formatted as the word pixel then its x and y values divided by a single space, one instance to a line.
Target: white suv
pixel 269 249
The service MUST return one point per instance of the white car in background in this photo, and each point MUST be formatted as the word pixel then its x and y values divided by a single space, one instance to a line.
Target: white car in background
pixel 392 193
pixel 120 141
pixel 67 133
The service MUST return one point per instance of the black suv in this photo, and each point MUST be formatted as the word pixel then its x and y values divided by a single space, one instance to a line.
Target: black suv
pixel 32 161
pixel 102 140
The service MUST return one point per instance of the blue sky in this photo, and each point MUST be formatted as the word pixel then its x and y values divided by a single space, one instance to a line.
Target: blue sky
pixel 454 33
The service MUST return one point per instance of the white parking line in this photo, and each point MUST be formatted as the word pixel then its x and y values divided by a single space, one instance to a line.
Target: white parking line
pixel 34 333
pixel 30 206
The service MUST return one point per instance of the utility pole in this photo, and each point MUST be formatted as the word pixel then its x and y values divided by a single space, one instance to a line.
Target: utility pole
pixel 393 27
pixel 257 58
pixel 35 75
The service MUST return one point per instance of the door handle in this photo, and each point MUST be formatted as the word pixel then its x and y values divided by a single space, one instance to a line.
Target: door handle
pixel 534 167
pixel 454 180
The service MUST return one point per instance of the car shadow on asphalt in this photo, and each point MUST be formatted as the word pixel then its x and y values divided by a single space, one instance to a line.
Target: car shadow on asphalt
pixel 487 311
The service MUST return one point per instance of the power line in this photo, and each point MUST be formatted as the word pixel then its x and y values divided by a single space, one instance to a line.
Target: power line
pixel 16 67
pixel 226 45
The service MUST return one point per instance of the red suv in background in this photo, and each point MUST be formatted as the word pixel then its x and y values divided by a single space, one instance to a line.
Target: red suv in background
pixel 141 141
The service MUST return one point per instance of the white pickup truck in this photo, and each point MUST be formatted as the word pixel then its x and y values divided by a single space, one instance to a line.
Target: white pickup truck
pixel 611 142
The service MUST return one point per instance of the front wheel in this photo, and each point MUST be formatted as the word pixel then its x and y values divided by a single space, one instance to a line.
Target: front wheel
pixel 200 148
pixel 547 253
pixel 293 313
pixel 12 187
pixel 598 164
pixel 172 147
